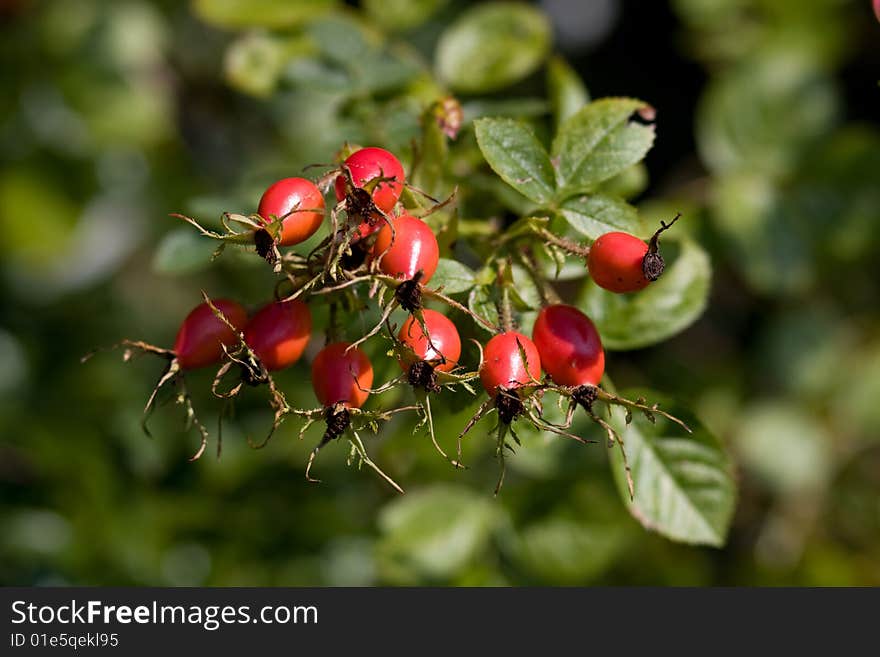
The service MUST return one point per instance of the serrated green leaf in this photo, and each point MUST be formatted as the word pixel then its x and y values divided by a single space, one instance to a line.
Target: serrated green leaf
pixel 453 276
pixel 566 90
pixel 492 45
pixel 182 251
pixel 664 308
pixel 526 297
pixel 596 214
pixel 259 13
pixel 684 484
pixel 514 153
pixel 481 301
pixel 599 142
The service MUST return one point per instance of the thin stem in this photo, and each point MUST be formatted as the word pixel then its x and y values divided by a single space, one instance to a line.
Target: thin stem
pixel 654 245
pixel 546 291
pixel 355 440
pixel 499 451
pixel 378 327
pixel 434 294
pixel 430 420
pixel 504 305
pixel 567 245
pixel 332 323
pixel 640 405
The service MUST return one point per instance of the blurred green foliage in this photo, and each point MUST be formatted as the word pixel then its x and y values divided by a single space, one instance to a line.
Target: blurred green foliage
pixel 117 113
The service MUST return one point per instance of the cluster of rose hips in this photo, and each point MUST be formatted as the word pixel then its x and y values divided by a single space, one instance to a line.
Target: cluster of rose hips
pixel 374 243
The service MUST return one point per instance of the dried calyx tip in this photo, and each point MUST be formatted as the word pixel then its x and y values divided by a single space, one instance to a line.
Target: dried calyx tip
pixel 585 395
pixel 265 245
pixel 253 376
pixel 653 263
pixel 338 420
pixel 509 405
pixel 355 257
pixel 409 294
pixel 653 266
pixel 422 375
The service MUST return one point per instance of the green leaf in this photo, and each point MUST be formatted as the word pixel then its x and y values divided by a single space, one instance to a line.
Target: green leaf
pixel 789 104
pixel 492 45
pixel 599 142
pixel 433 533
pixel 765 238
pixel 514 153
pixel 402 14
pixel 259 13
pixel 596 214
pixel 347 44
pixel 453 276
pixel 315 73
pixel 254 63
pixel 855 403
pixel 383 72
pixel 55 216
pixel 489 184
pixel 566 90
pixel 481 301
pixel 525 296
pixel 786 446
pixel 684 485
pixel 561 552
pixel 341 38
pixel 183 251
pixel 515 108
pixel 627 184
pixel 664 308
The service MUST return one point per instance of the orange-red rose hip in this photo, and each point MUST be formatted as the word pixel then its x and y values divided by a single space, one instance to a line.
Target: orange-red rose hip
pixel 202 334
pixel 279 333
pixel 503 364
pixel 340 376
pixel 616 262
pixel 406 246
pixel 300 205
pixel 368 164
pixel 569 345
pixel 442 350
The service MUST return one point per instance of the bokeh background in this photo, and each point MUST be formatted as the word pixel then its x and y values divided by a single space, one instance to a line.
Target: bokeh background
pixel 114 114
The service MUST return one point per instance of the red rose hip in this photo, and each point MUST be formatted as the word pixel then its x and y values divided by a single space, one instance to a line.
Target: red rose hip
pixel 569 345
pixel 503 365
pixel 406 246
pixel 340 376
pixel 279 333
pixel 298 203
pixel 616 262
pixel 368 164
pixel 202 334
pixel 442 346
